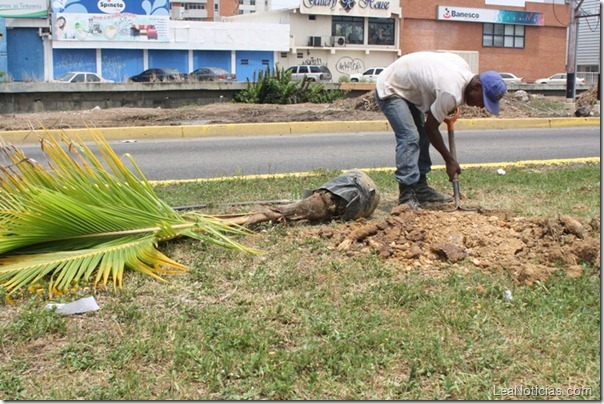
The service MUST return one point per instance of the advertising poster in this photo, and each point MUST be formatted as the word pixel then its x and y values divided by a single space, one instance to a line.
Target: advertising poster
pixel 110 20
pixel 23 9
pixel 451 13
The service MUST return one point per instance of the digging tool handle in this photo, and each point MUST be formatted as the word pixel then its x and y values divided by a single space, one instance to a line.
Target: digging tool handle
pixel 450 121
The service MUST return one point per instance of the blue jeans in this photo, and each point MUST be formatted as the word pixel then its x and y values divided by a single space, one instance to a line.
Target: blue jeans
pixel 412 144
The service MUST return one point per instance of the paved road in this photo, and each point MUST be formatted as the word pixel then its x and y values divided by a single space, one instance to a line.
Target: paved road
pixel 211 157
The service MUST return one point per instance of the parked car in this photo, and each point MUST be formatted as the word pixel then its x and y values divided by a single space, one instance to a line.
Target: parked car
pixel 81 77
pixel 510 78
pixel 211 74
pixel 158 75
pixel 558 78
pixel 370 74
pixel 313 72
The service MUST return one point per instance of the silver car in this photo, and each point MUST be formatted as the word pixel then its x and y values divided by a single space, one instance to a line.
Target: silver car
pixel 313 72
pixel 81 77
pixel 510 78
pixel 557 79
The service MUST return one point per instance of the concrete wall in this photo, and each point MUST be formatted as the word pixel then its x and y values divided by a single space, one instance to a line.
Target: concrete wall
pixel 39 97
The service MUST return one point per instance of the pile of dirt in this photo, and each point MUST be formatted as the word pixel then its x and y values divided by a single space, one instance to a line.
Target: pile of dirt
pixel 433 240
pixel 362 108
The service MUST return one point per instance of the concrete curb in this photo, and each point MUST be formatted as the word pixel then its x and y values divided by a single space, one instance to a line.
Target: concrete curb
pixel 282 128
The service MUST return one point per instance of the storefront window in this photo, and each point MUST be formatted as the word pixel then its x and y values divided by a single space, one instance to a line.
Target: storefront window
pixel 381 31
pixel 352 28
pixel 503 36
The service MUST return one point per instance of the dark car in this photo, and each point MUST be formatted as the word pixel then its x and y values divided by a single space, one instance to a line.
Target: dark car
pixel 158 75
pixel 211 74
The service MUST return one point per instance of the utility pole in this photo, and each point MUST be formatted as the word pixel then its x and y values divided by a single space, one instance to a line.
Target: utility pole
pixel 571 56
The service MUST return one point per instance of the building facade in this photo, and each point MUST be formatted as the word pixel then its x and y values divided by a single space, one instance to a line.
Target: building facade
pixel 119 39
pixel 346 36
pixel 588 40
pixel 522 37
pixel 39 39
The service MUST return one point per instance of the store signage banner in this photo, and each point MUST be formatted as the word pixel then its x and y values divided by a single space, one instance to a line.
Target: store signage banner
pixel 24 8
pixel 352 8
pixel 451 13
pixel 110 20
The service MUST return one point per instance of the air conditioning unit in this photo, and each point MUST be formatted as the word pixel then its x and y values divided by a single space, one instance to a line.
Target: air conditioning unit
pixel 44 31
pixel 338 41
pixel 314 41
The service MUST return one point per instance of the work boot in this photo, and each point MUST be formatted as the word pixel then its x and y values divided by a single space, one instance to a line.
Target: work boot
pixel 424 193
pixel 406 194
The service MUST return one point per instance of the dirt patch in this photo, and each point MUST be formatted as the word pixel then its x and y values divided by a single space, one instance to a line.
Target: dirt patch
pixel 362 108
pixel 433 240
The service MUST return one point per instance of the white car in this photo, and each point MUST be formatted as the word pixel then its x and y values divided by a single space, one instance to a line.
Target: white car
pixel 510 78
pixel 559 78
pixel 368 75
pixel 81 77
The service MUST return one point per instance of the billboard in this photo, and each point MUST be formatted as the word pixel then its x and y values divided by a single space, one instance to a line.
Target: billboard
pixel 23 8
pixel 452 13
pixel 110 20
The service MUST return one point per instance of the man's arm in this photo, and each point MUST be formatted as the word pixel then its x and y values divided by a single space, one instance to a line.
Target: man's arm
pixel 436 140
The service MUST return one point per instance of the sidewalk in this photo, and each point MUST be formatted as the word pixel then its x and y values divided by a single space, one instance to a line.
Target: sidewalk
pixel 285 128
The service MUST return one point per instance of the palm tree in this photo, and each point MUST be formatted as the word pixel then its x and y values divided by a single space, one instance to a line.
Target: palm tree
pixel 85 217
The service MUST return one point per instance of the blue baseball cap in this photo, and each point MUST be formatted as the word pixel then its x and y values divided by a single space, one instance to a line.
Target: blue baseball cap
pixel 493 88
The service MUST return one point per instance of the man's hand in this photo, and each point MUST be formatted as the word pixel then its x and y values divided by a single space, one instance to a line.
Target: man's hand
pixel 453 170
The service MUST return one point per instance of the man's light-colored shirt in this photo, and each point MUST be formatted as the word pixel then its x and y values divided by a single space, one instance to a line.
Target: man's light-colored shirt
pixel 432 81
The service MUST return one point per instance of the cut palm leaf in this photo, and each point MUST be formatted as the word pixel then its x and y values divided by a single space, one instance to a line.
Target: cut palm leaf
pixel 86 217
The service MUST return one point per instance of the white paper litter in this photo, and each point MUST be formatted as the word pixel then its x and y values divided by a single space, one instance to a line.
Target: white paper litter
pixel 83 305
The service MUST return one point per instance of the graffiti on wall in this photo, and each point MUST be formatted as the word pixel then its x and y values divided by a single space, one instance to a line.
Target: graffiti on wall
pixel 313 61
pixel 348 65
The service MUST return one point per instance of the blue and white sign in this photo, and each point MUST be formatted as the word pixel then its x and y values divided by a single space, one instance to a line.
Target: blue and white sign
pixel 465 14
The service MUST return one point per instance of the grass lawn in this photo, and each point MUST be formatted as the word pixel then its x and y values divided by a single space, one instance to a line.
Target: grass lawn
pixel 303 321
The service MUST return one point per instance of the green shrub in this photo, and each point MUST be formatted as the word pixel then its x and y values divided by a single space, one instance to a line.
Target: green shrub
pixel 277 87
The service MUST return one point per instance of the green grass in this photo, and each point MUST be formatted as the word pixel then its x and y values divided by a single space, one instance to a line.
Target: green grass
pixel 304 321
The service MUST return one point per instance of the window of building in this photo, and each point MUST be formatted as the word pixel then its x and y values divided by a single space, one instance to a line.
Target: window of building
pixel 300 55
pixel 283 54
pixel 215 6
pixel 352 28
pixel 502 36
pixel 265 62
pixel 381 31
pixel 312 17
pixel 245 61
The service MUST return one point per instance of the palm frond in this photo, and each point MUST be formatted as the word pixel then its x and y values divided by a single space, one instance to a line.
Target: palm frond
pixel 85 214
pixel 69 267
